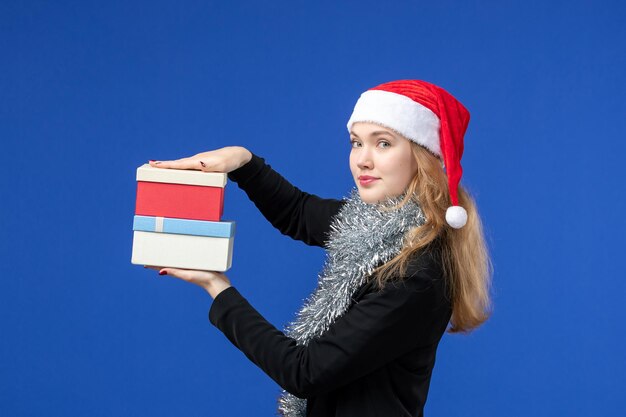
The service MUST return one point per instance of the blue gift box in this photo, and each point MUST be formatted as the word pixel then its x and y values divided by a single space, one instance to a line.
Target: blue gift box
pixel 184 226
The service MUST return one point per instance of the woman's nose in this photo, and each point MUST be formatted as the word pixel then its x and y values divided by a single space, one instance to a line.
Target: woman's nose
pixel 364 160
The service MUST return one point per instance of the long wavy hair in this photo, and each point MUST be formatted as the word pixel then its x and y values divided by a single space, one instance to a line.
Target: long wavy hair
pixel 465 259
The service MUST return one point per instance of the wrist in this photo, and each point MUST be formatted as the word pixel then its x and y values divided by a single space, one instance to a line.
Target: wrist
pixel 215 288
pixel 246 156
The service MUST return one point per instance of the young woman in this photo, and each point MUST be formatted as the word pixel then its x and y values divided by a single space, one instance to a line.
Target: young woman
pixel 406 260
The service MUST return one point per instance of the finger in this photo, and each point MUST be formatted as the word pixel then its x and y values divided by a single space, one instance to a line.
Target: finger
pixel 159 269
pixel 183 274
pixel 175 272
pixel 183 163
pixel 211 165
pixel 207 162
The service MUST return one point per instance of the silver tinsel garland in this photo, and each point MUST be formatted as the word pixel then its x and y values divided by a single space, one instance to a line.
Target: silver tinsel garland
pixel 362 237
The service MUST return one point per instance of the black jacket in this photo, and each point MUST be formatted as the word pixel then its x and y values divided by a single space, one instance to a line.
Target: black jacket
pixel 375 360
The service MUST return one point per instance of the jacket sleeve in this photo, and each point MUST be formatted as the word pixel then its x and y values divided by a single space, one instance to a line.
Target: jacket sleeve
pixel 381 327
pixel 295 213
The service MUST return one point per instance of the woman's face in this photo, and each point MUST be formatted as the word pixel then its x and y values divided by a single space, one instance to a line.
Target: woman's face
pixel 381 162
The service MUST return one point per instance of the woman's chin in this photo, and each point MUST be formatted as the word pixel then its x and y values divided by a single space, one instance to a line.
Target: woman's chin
pixel 369 197
pixel 374 196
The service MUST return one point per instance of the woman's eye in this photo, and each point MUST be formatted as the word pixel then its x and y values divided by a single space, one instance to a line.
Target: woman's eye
pixel 384 144
pixel 355 144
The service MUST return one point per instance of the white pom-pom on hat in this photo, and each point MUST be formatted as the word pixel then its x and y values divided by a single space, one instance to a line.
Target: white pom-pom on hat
pixel 456 216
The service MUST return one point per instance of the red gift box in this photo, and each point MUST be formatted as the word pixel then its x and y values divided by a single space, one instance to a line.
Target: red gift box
pixel 184 194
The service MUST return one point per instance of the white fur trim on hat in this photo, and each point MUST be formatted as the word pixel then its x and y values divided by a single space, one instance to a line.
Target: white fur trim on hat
pixel 395 111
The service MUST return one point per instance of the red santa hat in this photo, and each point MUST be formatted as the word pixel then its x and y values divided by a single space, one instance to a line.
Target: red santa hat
pixel 427 115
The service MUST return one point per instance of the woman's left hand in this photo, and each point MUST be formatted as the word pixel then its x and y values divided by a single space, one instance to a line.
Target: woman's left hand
pixel 213 282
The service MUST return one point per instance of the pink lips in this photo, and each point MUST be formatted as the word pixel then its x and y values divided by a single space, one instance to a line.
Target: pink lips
pixel 366 179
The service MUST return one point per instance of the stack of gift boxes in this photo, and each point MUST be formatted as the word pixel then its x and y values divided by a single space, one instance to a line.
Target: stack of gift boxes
pixel 177 220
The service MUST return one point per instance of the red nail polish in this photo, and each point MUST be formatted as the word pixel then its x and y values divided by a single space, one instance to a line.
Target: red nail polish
pixel 162 272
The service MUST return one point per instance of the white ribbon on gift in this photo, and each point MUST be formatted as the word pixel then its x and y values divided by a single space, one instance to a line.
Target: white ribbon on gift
pixel 158 224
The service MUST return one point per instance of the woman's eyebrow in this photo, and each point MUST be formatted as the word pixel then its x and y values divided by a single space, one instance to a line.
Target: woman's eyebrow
pixel 375 133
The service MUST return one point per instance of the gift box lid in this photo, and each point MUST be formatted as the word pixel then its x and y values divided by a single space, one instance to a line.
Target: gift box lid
pixel 181 176
pixel 184 226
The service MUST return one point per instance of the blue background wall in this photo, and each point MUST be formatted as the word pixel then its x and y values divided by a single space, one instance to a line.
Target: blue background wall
pixel 91 90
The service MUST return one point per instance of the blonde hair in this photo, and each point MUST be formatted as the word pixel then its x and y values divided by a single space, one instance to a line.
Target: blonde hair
pixel 465 259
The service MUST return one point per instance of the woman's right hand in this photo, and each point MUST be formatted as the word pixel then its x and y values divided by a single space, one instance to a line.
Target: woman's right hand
pixel 222 160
